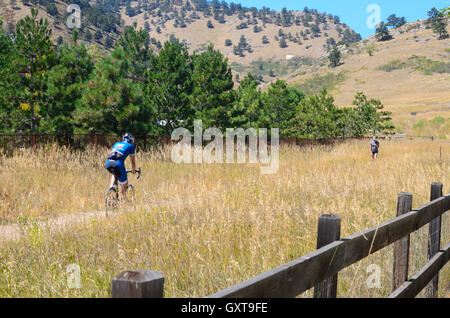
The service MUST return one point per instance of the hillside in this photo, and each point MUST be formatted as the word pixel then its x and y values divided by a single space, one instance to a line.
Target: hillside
pixel 298 29
pixel 409 74
pixel 287 34
pixel 55 12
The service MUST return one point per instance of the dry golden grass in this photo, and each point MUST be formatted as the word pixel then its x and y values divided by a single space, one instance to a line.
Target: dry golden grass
pixel 206 227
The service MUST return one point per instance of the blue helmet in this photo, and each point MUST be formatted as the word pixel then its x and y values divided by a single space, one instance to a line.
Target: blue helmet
pixel 128 137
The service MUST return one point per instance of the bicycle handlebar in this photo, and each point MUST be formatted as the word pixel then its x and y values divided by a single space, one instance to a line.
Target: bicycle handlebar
pixel 138 172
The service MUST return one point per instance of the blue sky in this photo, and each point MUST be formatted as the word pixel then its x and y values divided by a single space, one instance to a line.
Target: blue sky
pixel 354 13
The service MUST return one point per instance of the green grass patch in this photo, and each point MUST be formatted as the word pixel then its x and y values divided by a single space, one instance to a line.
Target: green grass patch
pixel 393 66
pixel 277 68
pixel 417 63
pixel 317 83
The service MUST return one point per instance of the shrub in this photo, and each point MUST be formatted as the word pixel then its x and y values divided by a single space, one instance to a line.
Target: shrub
pixel 392 66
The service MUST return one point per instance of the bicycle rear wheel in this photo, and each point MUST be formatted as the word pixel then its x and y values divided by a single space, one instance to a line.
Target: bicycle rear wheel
pixel 111 201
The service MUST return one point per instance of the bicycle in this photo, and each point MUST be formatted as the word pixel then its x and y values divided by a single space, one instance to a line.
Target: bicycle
pixel 112 195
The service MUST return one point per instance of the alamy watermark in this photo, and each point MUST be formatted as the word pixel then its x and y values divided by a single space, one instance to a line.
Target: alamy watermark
pixel 73 272
pixel 74 19
pixel 213 152
pixel 374 279
pixel 374 18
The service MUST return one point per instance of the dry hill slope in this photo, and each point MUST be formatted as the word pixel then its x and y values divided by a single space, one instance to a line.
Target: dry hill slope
pixel 419 81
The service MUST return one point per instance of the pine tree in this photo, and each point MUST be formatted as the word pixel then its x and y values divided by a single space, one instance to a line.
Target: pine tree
pixel 109 42
pixel 438 22
pixel 335 57
pixel 382 32
pixel 98 35
pixel 282 104
pixel 112 103
pixel 169 86
pixel 35 49
pixel 88 36
pixel 65 87
pixel 212 93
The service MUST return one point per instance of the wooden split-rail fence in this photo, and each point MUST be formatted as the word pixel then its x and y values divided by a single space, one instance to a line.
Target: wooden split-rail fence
pixel 319 269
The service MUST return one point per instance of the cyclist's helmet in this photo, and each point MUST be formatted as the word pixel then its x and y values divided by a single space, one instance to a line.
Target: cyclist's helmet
pixel 128 137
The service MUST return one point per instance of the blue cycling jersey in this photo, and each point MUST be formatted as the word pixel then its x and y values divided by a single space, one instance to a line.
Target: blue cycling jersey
pixel 124 148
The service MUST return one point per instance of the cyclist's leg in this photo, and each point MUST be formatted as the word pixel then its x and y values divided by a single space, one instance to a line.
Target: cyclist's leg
pixel 113 168
pixel 123 180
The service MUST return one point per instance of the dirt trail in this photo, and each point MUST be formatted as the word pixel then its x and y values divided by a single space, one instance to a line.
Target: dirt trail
pixel 17 231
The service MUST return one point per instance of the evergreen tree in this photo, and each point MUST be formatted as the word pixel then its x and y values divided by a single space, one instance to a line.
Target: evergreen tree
pixel 98 35
pixel 212 92
pixel 316 117
pixel 88 36
pixel 35 55
pixel 335 57
pixel 109 42
pixel 370 116
pixel 112 103
pixel 282 105
pixel 248 111
pixel 65 85
pixel 438 22
pixel 12 118
pixel 382 32
pixel 169 86
pixel 283 43
pixel 395 22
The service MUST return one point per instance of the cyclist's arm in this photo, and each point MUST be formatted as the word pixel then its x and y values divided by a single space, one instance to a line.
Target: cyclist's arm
pixel 133 163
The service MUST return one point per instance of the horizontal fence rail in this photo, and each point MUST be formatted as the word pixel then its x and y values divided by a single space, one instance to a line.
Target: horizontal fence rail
pixel 418 282
pixel 11 142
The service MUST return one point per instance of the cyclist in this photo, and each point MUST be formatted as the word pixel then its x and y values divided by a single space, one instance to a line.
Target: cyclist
pixel 116 162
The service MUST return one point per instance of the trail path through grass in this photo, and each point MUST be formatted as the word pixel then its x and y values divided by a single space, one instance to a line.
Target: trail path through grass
pixel 18 231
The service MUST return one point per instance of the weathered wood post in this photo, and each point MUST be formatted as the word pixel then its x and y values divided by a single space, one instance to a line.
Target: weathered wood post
pixel 401 247
pixel 138 284
pixel 434 240
pixel 95 141
pixel 329 230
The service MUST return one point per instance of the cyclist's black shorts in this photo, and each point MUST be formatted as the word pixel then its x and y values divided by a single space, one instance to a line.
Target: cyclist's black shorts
pixel 112 167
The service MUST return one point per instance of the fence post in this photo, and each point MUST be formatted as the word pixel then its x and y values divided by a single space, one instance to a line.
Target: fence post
pixel 95 142
pixel 401 247
pixel 138 284
pixel 434 240
pixel 329 230
pixel 33 142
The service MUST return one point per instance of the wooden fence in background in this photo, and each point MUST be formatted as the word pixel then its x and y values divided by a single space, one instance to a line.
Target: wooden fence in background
pixel 319 269
pixel 11 142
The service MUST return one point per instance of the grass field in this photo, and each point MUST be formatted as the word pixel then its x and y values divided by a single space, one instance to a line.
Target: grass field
pixel 206 227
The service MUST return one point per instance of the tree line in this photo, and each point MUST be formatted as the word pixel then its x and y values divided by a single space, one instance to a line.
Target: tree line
pixel 72 88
